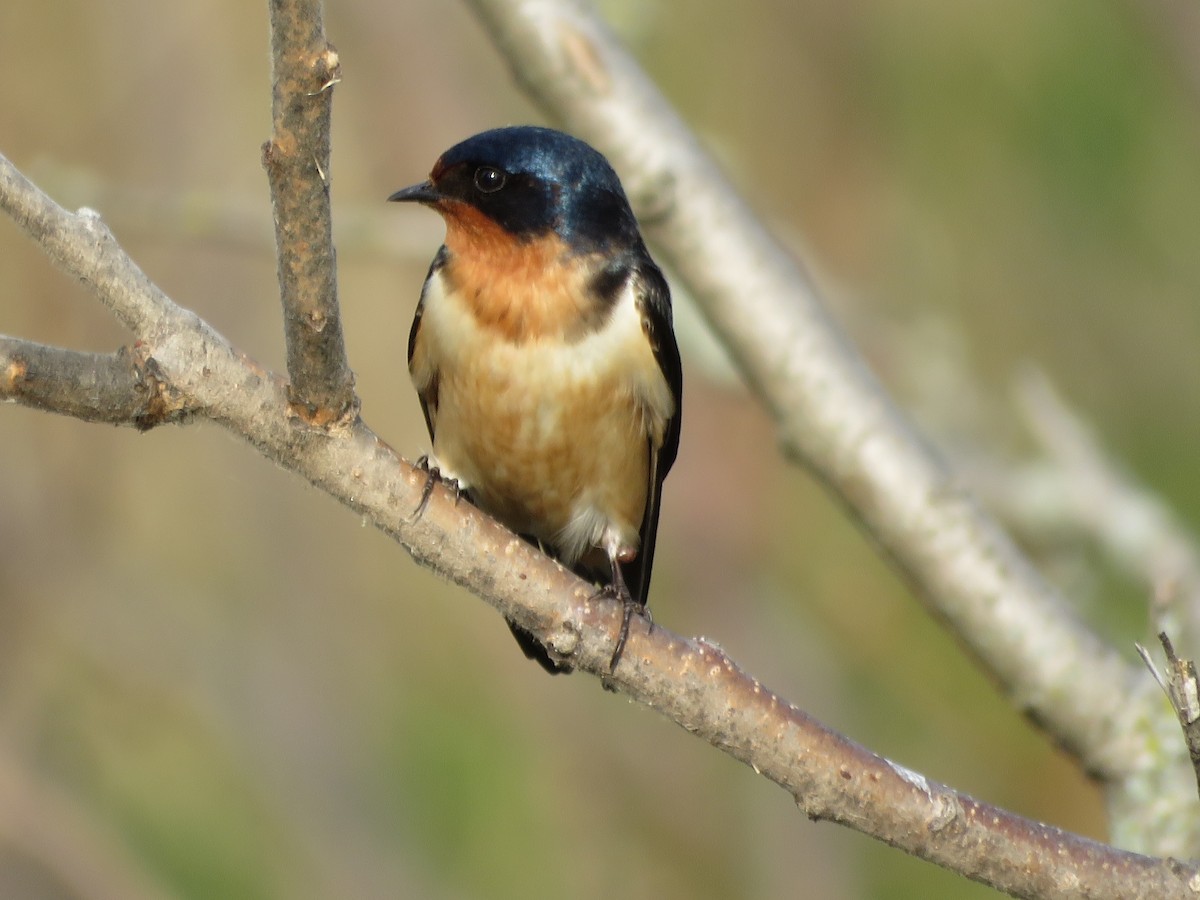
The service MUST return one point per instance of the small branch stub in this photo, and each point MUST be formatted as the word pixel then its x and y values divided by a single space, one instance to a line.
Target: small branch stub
pixel 123 388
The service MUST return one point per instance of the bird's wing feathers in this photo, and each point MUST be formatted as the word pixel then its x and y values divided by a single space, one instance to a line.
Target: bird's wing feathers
pixel 654 304
pixel 424 373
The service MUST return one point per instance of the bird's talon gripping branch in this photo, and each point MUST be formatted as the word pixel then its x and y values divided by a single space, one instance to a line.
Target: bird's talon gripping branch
pixel 432 476
pixel 629 606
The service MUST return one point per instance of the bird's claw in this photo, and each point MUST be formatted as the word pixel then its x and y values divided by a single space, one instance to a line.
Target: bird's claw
pixel 432 476
pixel 629 606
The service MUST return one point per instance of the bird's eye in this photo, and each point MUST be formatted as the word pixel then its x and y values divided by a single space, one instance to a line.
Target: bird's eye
pixel 489 179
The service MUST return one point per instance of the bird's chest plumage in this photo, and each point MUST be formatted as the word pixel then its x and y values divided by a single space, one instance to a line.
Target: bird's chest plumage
pixel 548 425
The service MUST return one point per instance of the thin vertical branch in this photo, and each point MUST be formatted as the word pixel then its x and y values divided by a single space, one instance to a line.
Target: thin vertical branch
pixel 297 159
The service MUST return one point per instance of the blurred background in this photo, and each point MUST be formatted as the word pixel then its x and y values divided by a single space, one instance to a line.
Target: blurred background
pixel 216 682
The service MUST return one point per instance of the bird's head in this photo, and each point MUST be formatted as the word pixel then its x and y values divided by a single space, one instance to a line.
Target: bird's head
pixel 531 183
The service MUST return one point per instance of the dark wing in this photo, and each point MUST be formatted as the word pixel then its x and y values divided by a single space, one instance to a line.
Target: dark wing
pixel 427 392
pixel 654 304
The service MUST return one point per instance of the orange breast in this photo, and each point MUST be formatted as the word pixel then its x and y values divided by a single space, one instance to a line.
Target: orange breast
pixel 520 289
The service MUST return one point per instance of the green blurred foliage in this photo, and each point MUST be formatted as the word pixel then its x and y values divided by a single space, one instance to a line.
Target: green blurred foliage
pixel 248 694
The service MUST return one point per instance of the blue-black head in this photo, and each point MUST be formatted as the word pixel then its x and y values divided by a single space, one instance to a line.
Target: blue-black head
pixel 532 181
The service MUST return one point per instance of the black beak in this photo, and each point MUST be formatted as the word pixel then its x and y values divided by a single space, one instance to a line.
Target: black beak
pixel 424 192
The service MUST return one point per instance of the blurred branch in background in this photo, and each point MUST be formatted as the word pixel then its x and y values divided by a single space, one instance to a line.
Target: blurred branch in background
pixel 1074 494
pixel 1077 487
pixel 48 827
pixel 1177 23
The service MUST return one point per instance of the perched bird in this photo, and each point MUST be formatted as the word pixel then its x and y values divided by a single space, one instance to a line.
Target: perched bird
pixel 544 358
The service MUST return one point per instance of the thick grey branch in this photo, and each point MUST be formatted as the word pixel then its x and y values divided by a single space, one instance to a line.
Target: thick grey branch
pixel 831 412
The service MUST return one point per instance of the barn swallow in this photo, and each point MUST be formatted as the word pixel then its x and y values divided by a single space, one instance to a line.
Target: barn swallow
pixel 544 358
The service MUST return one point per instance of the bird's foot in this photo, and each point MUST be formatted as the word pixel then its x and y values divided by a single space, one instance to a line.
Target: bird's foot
pixel 432 476
pixel 629 607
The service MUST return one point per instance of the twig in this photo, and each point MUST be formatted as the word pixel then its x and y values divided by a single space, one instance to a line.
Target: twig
pixel 305 69
pixel 1183 690
pixel 831 412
